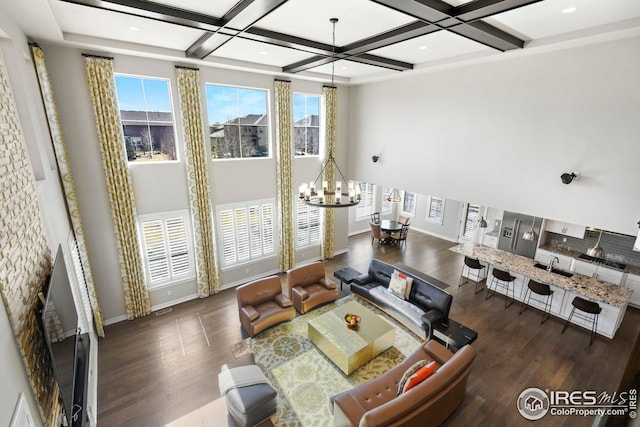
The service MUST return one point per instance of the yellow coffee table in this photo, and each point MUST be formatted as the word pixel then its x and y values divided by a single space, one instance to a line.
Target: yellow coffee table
pixel 348 348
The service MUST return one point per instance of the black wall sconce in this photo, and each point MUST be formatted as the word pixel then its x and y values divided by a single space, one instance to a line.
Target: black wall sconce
pixel 567 178
pixel 375 158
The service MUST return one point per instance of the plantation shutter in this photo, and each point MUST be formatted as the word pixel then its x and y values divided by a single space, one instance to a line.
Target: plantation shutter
pixel 178 247
pixel 435 211
pixel 228 237
pixel 302 218
pixel 473 213
pixel 267 228
pixel 155 250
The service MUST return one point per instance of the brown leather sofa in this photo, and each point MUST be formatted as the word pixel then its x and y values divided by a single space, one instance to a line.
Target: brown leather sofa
pixel 309 287
pixel 261 304
pixel 375 403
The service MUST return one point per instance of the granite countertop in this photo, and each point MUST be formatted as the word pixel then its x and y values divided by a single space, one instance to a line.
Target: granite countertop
pixel 587 286
pixel 632 269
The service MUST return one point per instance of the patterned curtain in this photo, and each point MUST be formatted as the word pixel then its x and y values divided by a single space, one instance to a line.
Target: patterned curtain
pixel 198 180
pixel 284 122
pixel 68 184
pixel 330 97
pixel 123 208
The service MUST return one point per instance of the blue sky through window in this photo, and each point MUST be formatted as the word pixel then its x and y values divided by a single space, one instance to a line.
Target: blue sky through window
pixel 305 105
pixel 143 94
pixel 225 103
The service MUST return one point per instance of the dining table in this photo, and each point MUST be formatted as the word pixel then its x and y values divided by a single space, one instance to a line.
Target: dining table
pixel 388 227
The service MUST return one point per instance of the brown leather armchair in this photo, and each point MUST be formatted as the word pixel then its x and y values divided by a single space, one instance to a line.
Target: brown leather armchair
pixel 261 304
pixel 309 287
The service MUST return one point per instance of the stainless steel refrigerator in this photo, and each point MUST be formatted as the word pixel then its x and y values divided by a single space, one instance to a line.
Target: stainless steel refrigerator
pixel 514 225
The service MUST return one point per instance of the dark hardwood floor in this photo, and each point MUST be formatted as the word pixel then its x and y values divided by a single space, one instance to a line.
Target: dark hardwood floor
pixel 155 370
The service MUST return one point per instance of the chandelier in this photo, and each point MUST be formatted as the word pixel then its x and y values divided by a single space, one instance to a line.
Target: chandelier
pixel 331 194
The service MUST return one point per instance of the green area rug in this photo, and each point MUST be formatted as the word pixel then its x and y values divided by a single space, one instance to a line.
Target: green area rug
pixel 304 377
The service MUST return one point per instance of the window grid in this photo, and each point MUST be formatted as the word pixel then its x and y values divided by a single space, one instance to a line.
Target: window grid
pixel 246 232
pixel 306 124
pixel 436 209
pixel 386 204
pixel 147 118
pixel 238 122
pixel 365 208
pixel 471 219
pixel 308 225
pixel 409 203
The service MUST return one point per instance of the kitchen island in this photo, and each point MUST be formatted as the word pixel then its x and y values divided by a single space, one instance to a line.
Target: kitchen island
pixel 612 298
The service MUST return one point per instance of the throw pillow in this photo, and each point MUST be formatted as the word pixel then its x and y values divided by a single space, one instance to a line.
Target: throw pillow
pixel 412 370
pixel 407 290
pixel 421 375
pixel 397 285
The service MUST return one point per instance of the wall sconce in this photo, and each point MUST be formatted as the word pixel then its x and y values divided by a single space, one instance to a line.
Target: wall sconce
pixel 567 178
pixel 375 158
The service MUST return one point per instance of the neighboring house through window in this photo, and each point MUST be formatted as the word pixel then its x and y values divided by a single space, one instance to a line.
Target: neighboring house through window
pixel 247 231
pixel 436 209
pixel 167 247
pixel 306 124
pixel 147 118
pixel 308 224
pixel 238 122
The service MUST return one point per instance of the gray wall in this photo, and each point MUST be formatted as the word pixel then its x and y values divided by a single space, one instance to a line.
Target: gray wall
pixel 230 180
pixel 501 133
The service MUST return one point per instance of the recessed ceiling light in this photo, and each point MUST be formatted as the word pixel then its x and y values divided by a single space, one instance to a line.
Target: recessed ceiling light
pixel 263 52
pixel 422 47
pixel 134 28
pixel 569 9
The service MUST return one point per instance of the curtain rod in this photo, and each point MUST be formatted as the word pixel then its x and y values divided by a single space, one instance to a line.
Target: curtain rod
pixel 184 67
pixel 89 55
pixel 282 80
pixel 333 87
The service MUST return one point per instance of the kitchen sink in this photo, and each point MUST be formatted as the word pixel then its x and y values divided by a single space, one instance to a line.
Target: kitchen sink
pixel 553 270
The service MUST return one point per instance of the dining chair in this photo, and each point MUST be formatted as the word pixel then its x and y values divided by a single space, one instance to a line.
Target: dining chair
pixel 404 219
pixel 376 233
pixel 401 236
pixel 375 217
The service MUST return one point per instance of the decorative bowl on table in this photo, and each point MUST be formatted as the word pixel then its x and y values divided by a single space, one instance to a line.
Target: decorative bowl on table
pixel 352 320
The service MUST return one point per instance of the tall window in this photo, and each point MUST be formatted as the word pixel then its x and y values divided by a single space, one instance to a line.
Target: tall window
pixel 409 203
pixel 147 118
pixel 246 231
pixel 306 124
pixel 308 225
pixel 167 247
pixel 365 207
pixel 238 122
pixel 386 204
pixel 471 217
pixel 436 209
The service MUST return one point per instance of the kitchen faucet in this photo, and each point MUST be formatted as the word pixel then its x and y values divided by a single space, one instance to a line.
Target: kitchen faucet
pixel 553 260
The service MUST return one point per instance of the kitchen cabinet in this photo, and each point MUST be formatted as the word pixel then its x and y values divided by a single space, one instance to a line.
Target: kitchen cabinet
pixel 565 228
pixel 633 282
pixel 597 271
pixel 490 240
pixel 544 257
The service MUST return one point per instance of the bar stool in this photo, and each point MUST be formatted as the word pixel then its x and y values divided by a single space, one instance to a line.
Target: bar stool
pixel 504 280
pixel 473 266
pixel 591 311
pixel 545 297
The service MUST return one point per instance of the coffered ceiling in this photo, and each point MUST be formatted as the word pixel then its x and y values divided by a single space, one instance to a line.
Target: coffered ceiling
pixel 373 38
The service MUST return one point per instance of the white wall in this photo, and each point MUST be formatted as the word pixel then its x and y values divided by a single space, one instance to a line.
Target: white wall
pixel 163 187
pixel 501 133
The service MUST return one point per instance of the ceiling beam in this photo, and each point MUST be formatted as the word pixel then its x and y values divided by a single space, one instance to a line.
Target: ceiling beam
pixel 365 58
pixel 240 18
pixel 155 11
pixel 464 20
